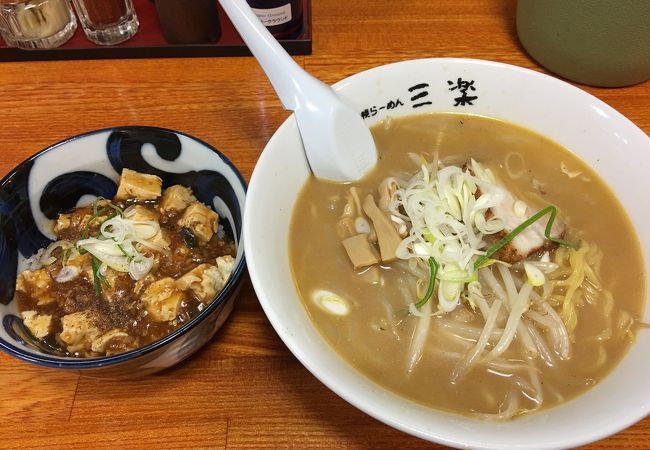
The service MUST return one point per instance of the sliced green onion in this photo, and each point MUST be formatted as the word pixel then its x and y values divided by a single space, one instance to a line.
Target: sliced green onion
pixel 96 281
pixel 485 263
pixel 65 255
pixel 521 227
pixel 122 249
pixel 433 268
pixel 98 278
pixel 331 303
pixel 454 275
pixel 95 215
pixel 96 205
pixel 100 212
pixel 451 289
pixel 534 275
pixel 116 208
pixel 471 278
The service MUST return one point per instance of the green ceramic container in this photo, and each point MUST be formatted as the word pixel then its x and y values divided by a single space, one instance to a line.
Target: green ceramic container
pixel 594 42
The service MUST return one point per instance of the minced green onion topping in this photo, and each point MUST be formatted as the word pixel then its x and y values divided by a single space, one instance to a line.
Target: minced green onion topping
pixel 552 210
pixel 97 213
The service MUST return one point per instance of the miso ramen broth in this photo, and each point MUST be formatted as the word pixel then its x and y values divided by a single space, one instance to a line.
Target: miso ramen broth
pixel 526 328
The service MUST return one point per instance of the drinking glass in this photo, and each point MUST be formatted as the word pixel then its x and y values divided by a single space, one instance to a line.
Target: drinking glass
pixel 37 23
pixel 107 22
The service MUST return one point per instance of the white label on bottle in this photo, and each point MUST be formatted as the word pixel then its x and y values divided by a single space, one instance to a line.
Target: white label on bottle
pixel 274 16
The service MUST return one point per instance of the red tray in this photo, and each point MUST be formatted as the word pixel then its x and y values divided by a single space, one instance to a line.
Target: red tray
pixel 150 43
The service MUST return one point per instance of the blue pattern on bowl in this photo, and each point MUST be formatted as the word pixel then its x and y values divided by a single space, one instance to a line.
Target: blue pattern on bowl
pixel 83 167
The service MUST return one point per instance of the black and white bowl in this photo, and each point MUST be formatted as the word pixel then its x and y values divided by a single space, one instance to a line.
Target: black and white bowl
pixel 76 171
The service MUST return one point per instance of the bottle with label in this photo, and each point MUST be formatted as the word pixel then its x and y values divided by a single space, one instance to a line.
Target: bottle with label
pixel 283 18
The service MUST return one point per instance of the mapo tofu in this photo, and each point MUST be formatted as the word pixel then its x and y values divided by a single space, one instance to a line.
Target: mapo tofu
pixel 125 272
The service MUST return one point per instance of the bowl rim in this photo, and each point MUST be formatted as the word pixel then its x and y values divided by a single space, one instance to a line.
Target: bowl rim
pixel 284 330
pixel 54 361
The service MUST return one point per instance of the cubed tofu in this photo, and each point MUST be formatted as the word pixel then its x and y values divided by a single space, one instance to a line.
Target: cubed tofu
pixel 111 290
pixel 200 280
pixel 113 338
pixel 139 186
pixel 71 224
pixel 161 239
pixel 161 242
pixel 201 220
pixel 20 282
pixel 67 274
pixel 83 263
pixel 40 325
pixel 143 283
pixel 143 214
pixel 63 222
pixel 79 330
pixel 37 284
pixel 205 281
pixel 176 198
pixel 163 299
pixel 225 264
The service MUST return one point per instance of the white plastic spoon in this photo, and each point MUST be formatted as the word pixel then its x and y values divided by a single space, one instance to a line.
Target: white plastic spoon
pixel 337 142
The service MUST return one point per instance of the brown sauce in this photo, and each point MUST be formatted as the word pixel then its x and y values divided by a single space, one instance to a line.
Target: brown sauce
pixel 119 305
pixel 105 12
pixel 376 342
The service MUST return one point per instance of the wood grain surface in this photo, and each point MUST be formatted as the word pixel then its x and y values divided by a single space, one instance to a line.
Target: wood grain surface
pixel 244 389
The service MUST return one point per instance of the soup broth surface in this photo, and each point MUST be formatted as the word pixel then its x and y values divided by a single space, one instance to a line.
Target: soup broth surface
pixel 376 334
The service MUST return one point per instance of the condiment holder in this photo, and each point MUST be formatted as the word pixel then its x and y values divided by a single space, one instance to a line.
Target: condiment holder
pixel 36 24
pixel 164 28
pixel 107 22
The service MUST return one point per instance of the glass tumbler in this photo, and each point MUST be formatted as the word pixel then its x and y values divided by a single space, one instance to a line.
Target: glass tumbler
pixel 107 22
pixel 36 24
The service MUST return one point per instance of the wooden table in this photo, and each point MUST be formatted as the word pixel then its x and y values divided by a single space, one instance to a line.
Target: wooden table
pixel 244 388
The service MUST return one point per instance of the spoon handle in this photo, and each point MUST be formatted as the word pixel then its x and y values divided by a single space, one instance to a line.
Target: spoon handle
pixel 337 142
pixel 289 80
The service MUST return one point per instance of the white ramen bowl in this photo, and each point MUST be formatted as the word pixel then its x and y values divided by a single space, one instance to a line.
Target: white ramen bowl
pixel 606 140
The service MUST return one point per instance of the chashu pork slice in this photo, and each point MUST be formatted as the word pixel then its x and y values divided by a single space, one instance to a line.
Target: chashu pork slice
pixel 514 212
